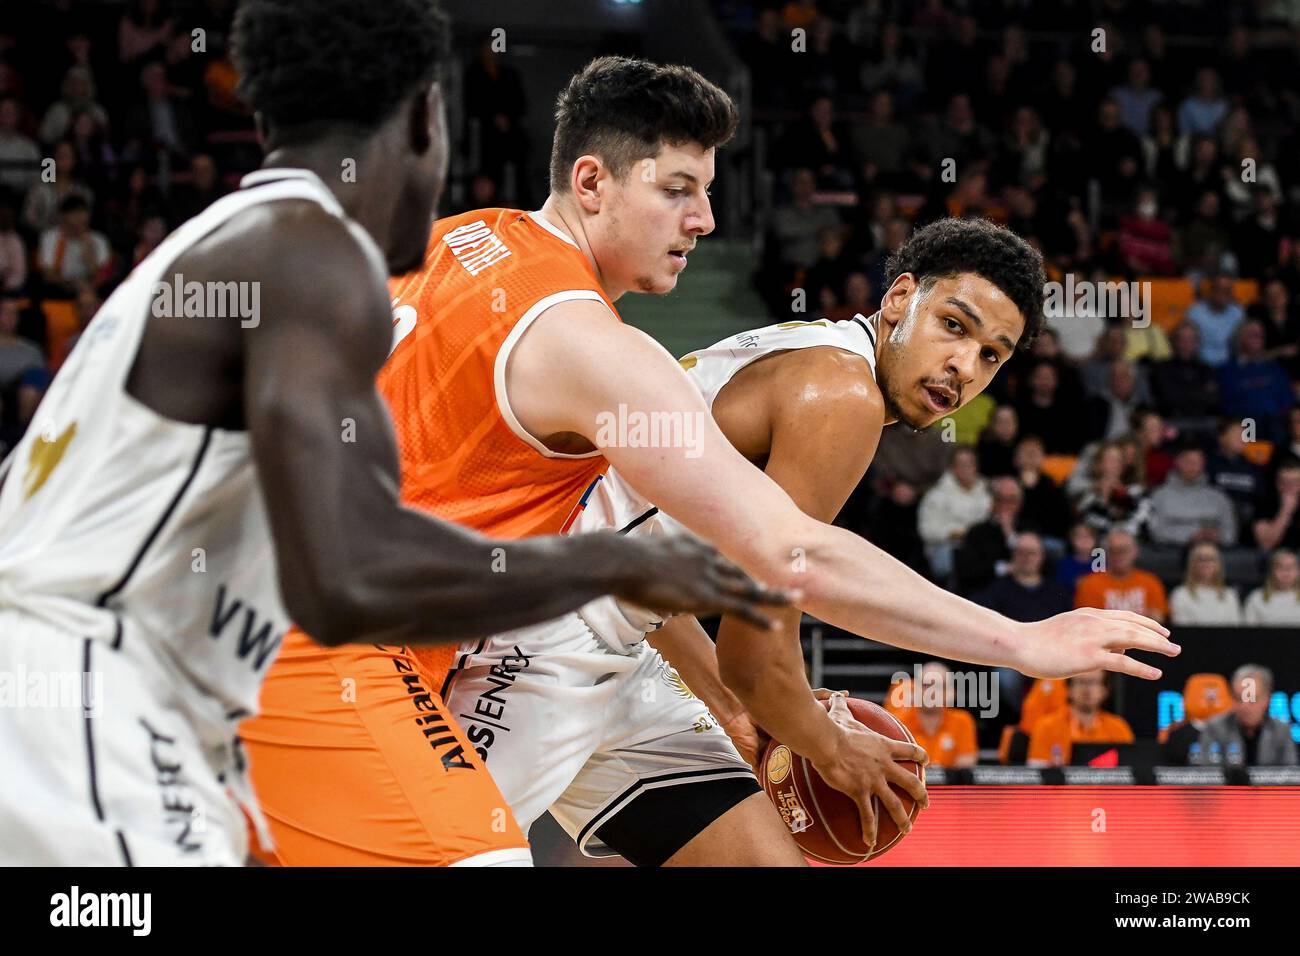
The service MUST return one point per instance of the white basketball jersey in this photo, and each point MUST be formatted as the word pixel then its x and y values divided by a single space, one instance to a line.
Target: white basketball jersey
pixel 611 502
pixel 122 526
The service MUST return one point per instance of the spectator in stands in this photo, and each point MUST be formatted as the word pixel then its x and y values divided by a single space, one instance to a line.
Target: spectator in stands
pixel 958 136
pixel 1126 393
pixel 948 510
pixel 1188 508
pixel 1116 154
pixel 1145 241
pixel 881 144
pixel 1137 98
pixel 1202 111
pixel 987 546
pixel 20 157
pixel 23 375
pixel 143 31
pixel 1122 586
pixel 203 189
pixel 766 52
pixel 45 199
pixel 1277 602
pixel 1281 326
pixel 1203 600
pixel 997 442
pixel 1234 474
pixel 1150 433
pixel 1045 506
pixel 1254 386
pixel 1258 240
pixel 1277 518
pixel 825 279
pixel 1205 695
pixel 13 253
pixel 796 225
pixel 1113 498
pixel 1084 721
pixel 1098 372
pixel 72 252
pixel 136 199
pixel 160 119
pixel 1204 244
pixel 96 160
pixel 821 143
pixel 1045 412
pixel 495 107
pixel 944 731
pixel 1246 735
pixel 1164 148
pixel 1080 559
pixel 1023 593
pixel 1289 448
pixel 1216 317
pixel 78 97
pixel 1184 386
pixel 891 65
pixel 891 524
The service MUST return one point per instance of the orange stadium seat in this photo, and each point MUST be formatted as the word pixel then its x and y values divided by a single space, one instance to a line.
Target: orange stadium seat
pixel 60 326
pixel 1058 467
pixel 1257 452
pixel 1169 300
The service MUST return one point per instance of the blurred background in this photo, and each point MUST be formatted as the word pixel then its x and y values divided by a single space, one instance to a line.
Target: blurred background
pixel 1146 457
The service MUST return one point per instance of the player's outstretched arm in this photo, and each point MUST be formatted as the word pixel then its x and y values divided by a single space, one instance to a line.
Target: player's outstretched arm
pixel 713 490
pixel 355 565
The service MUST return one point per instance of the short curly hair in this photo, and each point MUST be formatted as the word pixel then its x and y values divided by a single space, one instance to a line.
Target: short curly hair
pixel 349 61
pixel 623 109
pixel 950 247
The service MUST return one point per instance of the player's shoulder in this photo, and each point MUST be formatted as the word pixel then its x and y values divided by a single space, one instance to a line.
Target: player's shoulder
pixel 294 248
pixel 828 380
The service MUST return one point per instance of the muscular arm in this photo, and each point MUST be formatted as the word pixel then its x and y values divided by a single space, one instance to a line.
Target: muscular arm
pixel 846 581
pixel 353 563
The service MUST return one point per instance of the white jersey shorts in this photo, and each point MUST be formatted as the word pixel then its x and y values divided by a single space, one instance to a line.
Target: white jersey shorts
pixel 102 765
pixel 568 724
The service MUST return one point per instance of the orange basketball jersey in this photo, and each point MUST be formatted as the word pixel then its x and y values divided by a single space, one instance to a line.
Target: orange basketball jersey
pixel 487 275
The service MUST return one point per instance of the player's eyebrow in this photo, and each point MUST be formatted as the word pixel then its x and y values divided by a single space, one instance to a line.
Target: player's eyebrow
pixel 971 314
pixel 689 177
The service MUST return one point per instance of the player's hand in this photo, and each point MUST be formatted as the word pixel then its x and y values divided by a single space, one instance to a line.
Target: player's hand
pixel 675 574
pixel 750 739
pixel 1089 639
pixel 864 763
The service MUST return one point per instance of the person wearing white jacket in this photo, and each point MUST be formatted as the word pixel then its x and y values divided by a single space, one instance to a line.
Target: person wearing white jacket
pixel 1277 603
pixel 1203 600
pixel 958 500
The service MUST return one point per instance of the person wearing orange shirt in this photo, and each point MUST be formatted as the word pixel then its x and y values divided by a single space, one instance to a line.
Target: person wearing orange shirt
pixel 944 732
pixel 1123 587
pixel 1083 721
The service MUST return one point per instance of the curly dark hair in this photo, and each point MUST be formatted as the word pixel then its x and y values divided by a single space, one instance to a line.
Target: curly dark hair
pixel 349 61
pixel 951 247
pixel 623 109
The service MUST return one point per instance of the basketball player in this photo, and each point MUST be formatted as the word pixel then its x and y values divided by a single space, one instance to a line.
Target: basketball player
pixel 512 364
pixel 190 479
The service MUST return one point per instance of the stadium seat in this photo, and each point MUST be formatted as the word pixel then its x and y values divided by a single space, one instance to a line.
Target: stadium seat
pixel 60 326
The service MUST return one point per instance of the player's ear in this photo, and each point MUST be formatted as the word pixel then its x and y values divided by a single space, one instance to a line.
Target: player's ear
pixel 585 182
pixel 420 115
pixel 897 298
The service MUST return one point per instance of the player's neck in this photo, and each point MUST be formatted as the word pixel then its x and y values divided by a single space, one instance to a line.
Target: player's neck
pixel 343 165
pixel 563 217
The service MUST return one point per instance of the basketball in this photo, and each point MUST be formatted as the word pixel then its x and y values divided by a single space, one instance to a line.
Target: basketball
pixel 825 822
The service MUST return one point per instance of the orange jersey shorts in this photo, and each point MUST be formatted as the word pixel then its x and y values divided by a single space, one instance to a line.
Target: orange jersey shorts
pixel 356 762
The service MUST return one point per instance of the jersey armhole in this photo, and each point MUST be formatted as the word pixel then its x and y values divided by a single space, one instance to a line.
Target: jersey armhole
pixel 503 357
